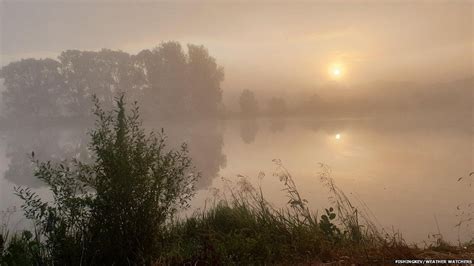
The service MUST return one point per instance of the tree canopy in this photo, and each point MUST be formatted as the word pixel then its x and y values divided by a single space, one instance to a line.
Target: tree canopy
pixel 167 80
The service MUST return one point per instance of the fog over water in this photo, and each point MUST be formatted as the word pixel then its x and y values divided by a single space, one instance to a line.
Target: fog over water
pixel 405 171
pixel 381 92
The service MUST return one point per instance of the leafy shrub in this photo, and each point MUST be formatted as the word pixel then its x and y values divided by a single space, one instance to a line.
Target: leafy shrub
pixel 22 249
pixel 110 210
pixel 327 226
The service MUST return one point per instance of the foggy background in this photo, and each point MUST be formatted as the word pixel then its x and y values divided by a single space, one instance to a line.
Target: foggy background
pixel 269 47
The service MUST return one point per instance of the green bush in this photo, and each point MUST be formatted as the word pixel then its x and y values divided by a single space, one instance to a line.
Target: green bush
pixel 21 250
pixel 111 210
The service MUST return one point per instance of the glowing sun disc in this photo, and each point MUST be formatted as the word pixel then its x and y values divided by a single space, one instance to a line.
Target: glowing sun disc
pixel 336 71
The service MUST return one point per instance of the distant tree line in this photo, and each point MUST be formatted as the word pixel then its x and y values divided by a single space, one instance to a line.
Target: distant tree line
pixel 167 80
pixel 250 106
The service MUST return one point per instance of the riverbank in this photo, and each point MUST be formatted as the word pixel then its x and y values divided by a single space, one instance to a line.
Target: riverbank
pixel 240 227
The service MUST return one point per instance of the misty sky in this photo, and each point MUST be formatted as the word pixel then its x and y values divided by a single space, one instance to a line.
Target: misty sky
pixel 267 46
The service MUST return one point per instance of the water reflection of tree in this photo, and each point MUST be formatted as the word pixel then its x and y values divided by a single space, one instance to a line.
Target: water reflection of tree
pixel 277 125
pixel 248 130
pixel 204 139
pixel 48 144
pixel 205 142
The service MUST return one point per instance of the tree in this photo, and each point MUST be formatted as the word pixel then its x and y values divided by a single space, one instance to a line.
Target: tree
pixel 104 74
pixel 205 78
pixel 32 88
pixel 109 211
pixel 168 89
pixel 180 84
pixel 170 82
pixel 248 130
pixel 248 103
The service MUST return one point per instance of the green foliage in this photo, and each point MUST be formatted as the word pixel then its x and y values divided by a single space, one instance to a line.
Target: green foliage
pixel 238 234
pixel 22 250
pixel 139 185
pixel 65 219
pixel 327 225
pixel 246 229
pixel 2 243
pixel 111 210
pixel 348 214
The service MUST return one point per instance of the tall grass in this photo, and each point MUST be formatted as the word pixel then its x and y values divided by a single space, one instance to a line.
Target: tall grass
pixel 240 226
pixel 244 228
pixel 17 248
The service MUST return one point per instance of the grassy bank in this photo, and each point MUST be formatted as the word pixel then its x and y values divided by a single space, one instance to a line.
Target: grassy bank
pixel 240 227
pixel 244 228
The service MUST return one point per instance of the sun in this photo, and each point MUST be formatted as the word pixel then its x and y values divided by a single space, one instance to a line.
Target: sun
pixel 338 136
pixel 336 71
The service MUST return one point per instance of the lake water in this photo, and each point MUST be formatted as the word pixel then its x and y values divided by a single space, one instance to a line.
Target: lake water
pixel 404 169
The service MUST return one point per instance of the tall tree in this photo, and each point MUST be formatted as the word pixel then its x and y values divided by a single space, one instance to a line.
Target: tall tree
pixel 167 92
pixel 181 84
pixel 33 88
pixel 167 80
pixel 205 77
pixel 101 73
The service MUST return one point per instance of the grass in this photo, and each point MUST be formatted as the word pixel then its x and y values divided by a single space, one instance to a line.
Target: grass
pixel 243 228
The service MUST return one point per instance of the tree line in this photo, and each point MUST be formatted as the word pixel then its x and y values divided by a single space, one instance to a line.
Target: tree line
pixel 251 106
pixel 167 80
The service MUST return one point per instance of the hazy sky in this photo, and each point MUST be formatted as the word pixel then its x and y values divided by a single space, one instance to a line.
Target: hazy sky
pixel 282 46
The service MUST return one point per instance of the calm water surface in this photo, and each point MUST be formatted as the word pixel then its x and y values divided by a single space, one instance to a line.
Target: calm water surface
pixel 405 170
